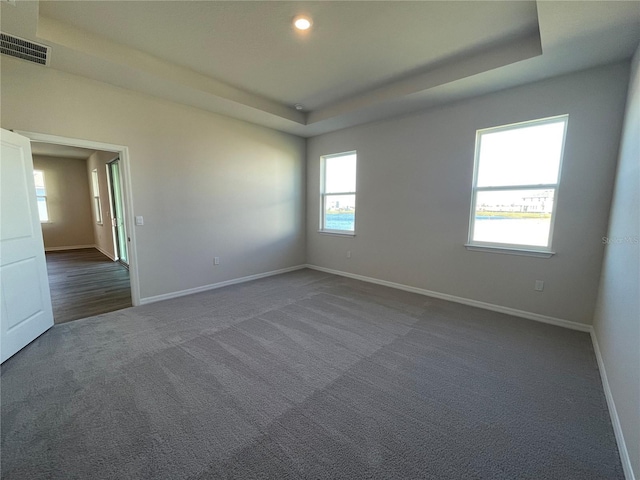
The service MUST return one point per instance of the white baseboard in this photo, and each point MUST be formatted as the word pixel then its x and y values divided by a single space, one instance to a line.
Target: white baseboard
pixel 213 286
pixel 105 253
pixel 69 247
pixel 613 412
pixel 465 301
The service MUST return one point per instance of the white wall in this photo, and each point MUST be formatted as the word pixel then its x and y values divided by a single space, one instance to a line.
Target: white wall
pixel 206 185
pixel 67 202
pixel 414 193
pixel 617 318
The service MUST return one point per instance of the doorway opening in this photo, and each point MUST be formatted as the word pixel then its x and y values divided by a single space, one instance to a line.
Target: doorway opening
pixel 101 275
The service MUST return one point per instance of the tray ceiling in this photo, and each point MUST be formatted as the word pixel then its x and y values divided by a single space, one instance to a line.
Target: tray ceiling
pixel 361 61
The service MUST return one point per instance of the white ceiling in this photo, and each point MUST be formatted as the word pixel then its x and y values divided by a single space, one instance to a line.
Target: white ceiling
pixel 352 47
pixel 361 61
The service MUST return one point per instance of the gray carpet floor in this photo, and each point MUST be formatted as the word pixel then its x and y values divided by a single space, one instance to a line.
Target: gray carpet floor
pixel 306 376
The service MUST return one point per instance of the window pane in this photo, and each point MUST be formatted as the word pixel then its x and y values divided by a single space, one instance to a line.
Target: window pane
pixel 97 207
pixel 38 177
pixel 516 217
pixel 340 212
pixel 94 184
pixel 42 209
pixel 340 173
pixel 521 156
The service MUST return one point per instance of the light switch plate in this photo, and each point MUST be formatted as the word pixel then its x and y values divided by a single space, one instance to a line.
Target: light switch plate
pixel 139 220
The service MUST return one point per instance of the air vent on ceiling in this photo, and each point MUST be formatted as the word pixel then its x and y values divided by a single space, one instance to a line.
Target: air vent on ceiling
pixel 24 49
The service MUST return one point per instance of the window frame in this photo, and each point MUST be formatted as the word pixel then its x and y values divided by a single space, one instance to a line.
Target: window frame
pixel 324 194
pixel 517 249
pixel 46 200
pixel 95 191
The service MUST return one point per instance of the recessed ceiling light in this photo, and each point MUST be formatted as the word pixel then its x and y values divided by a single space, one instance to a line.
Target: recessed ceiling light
pixel 299 106
pixel 302 23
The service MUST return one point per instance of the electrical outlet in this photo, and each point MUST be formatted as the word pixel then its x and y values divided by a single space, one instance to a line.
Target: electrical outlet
pixel 348 253
pixel 539 286
pixel 216 260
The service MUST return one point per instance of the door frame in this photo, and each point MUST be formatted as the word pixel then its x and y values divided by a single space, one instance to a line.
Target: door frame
pixel 112 202
pixel 123 152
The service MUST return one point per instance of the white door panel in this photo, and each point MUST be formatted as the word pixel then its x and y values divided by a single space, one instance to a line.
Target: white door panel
pixel 25 299
pixel 13 184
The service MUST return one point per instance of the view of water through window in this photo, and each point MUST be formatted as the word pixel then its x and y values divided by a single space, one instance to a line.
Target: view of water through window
pixel 517 217
pixel 340 221
pixel 517 175
pixel 339 209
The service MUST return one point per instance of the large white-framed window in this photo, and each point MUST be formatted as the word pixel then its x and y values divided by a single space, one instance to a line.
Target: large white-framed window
pixel 515 185
pixel 41 196
pixel 338 193
pixel 95 191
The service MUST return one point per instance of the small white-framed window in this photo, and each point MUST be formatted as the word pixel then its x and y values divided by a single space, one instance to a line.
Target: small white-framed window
pixel 338 193
pixel 515 184
pixel 95 191
pixel 41 196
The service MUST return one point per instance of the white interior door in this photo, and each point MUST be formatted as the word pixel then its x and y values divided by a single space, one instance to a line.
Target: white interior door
pixel 25 310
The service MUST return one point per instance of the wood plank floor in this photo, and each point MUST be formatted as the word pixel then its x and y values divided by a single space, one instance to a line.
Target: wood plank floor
pixel 85 283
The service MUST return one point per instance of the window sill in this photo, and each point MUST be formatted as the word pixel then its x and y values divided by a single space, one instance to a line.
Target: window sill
pixel 337 234
pixel 509 251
